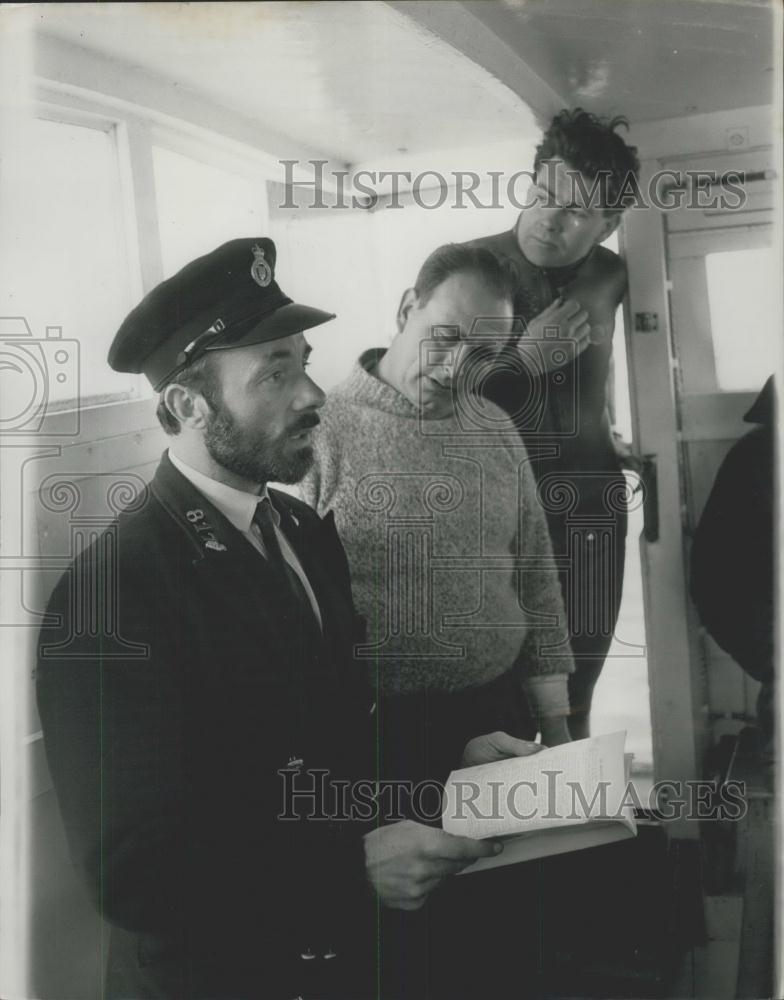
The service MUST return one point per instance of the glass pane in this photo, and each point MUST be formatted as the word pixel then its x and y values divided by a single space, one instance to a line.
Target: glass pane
pixel 201 206
pixel 66 269
pixel 743 293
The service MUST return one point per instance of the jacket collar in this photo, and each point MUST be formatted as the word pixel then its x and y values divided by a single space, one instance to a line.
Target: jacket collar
pixel 224 560
pixel 237 506
pixel 234 572
pixel 210 531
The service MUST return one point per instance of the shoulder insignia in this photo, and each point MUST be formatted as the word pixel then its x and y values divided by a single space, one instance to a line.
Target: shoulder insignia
pixel 204 530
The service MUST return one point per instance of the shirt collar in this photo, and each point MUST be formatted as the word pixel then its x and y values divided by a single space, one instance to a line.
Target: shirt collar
pixel 237 506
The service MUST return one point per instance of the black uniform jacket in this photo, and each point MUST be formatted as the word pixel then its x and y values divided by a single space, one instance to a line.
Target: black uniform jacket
pixel 732 552
pixel 180 679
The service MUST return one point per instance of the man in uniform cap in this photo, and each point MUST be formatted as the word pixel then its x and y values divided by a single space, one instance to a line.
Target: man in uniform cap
pixel 172 767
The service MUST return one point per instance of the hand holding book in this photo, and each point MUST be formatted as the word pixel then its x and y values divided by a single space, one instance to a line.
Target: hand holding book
pixel 561 799
pixel 496 746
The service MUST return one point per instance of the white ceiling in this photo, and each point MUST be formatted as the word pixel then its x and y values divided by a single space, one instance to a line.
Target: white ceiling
pixel 364 80
pixel 647 59
pixel 355 80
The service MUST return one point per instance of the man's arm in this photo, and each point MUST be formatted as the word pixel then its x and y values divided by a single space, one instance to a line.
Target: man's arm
pixel 730 581
pixel 162 846
pixel 113 731
pixel 406 861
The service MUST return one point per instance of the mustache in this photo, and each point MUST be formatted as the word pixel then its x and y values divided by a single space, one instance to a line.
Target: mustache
pixel 305 423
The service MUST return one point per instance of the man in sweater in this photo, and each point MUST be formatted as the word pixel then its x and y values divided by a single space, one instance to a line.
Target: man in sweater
pixel 436 503
pixel 452 567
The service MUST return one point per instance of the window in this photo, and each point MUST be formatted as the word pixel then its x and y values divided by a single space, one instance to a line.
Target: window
pixel 201 206
pixel 743 294
pixel 67 269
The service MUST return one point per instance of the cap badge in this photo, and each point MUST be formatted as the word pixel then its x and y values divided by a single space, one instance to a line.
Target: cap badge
pixel 260 270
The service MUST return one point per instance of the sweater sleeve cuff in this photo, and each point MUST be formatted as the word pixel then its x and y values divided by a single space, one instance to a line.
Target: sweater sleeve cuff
pixel 548 695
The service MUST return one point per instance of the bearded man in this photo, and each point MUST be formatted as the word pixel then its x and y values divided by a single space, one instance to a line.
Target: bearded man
pixel 187 762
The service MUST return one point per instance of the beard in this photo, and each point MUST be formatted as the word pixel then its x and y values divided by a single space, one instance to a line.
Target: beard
pixel 255 455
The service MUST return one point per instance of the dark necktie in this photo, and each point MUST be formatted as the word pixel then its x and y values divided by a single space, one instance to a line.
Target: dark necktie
pixel 264 518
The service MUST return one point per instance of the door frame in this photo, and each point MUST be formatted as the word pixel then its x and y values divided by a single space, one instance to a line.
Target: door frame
pixel 678 690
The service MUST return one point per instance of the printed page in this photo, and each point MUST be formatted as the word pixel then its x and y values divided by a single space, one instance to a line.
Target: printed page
pixel 561 786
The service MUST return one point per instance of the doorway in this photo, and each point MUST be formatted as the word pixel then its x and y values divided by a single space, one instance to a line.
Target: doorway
pixel 723 286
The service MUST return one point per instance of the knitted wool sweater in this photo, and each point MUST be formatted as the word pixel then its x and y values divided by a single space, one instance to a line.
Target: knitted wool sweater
pixel 450 555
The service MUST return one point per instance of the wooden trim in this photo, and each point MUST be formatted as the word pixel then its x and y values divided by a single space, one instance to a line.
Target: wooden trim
pixel 676 694
pixel 698 135
pixel 683 244
pixel 468 28
pixel 98 422
pixel 71 73
pixel 693 343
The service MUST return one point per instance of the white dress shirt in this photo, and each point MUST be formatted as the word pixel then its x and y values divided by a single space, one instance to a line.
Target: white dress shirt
pixel 238 507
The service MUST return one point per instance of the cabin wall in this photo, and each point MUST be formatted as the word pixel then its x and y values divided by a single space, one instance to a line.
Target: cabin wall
pixel 684 420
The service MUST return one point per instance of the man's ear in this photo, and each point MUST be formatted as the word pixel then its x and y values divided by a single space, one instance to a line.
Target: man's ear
pixel 189 407
pixel 611 222
pixel 407 303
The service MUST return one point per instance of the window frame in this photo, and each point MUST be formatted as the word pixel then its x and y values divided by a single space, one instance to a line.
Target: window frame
pixel 135 131
pixel 125 216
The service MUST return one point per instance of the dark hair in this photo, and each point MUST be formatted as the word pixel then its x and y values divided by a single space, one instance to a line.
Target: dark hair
pixel 199 377
pixel 591 145
pixel 462 258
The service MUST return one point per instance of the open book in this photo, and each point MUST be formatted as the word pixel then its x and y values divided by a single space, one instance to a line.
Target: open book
pixel 561 799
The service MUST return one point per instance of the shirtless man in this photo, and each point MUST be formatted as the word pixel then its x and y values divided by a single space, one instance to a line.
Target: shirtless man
pixel 553 381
